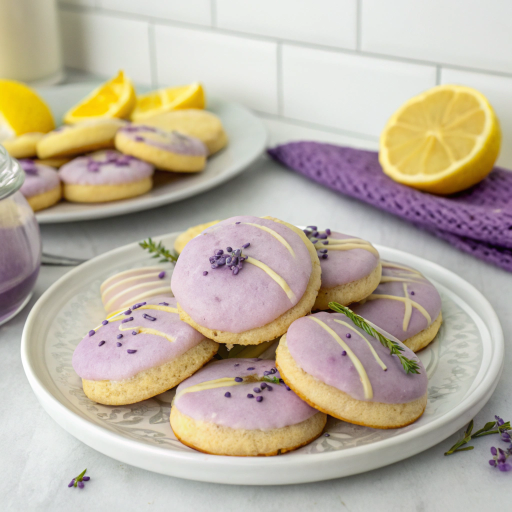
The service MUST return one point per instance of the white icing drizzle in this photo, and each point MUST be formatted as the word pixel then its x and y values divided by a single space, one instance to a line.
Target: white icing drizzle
pixel 363 376
pixel 210 384
pixel 346 244
pixel 131 272
pixel 372 350
pixel 388 264
pixel 419 307
pixel 276 277
pixel 163 290
pixel 275 234
pixel 408 308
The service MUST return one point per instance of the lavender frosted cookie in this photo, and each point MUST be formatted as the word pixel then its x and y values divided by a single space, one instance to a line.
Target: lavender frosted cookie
pixel 105 176
pixel 79 138
pixel 135 285
pixel 168 151
pixel 350 267
pixel 41 187
pixel 246 279
pixel 240 407
pixel 405 304
pixel 340 369
pixel 140 353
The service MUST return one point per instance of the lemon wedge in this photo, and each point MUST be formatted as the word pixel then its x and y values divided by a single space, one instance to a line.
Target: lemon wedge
pixel 442 141
pixel 115 98
pixel 22 111
pixel 165 100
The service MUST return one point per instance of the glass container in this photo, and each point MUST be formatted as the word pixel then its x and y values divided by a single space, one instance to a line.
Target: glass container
pixel 20 241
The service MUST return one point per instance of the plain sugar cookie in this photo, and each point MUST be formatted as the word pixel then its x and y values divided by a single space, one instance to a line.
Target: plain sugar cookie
pixel 23 146
pixel 140 353
pixel 341 370
pixel 238 407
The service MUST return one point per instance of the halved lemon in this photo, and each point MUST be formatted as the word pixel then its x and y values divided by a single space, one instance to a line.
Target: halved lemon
pixel 22 111
pixel 115 98
pixel 442 141
pixel 165 100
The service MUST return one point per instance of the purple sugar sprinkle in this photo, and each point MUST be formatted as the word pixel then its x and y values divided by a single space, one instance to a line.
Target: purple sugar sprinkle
pixel 269 387
pixel 138 138
pixel 119 336
pixel 71 483
pixel 246 245
pixel 237 222
pixel 227 394
pixel 138 305
pixel 119 344
pixel 134 332
pixel 412 293
pixel 148 317
pixel 263 385
pixel 162 274
pixel 127 320
pixel 214 265
pixel 81 485
pixel 93 166
pixel 250 395
pixel 315 234
pixel 229 249
pixel 348 335
pixel 256 390
pixel 314 241
pixel 265 373
pixel 128 312
pixel 92 332
pixel 251 368
pixel 131 351
pixel 205 273
pixel 162 303
pixel 236 270
pixel 328 232
pixel 229 259
pixel 324 256
pixel 259 399
pixel 322 251
pixel 220 252
pixel 238 379
pixel 344 353
pixel 326 242
pixel 322 236
pixel 273 370
pixel 287 388
pixel 327 435
pixel 237 364
pixel 86 478
pixel 102 342
pixel 314 228
pixel 211 259
pixel 105 322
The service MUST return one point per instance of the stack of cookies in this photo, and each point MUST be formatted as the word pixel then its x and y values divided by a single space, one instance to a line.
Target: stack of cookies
pixel 239 285
pixel 108 159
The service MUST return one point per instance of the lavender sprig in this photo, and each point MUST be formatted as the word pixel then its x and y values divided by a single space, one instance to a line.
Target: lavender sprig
pixel 409 365
pixel 159 251
pixel 499 459
pixel 79 480
pixel 492 427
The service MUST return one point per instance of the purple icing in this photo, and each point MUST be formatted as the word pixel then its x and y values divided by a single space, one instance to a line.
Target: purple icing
pixel 173 142
pixel 105 168
pixel 279 410
pixel 317 353
pixel 151 350
pixel 253 298
pixel 388 314
pixel 38 178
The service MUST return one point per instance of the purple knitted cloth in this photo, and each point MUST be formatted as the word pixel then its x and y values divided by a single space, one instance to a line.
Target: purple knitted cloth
pixel 477 221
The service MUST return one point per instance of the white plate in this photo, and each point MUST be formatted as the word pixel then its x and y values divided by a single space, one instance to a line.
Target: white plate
pixel 463 364
pixel 247 141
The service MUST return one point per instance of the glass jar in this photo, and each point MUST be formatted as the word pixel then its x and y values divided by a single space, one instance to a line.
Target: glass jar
pixel 20 240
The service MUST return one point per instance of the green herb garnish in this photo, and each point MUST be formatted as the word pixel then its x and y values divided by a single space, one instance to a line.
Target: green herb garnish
pixel 410 366
pixel 274 380
pixel 159 251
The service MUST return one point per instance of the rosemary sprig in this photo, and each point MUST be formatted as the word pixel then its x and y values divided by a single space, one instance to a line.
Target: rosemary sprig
pixel 488 429
pixel 159 251
pixel 409 365
pixel 274 380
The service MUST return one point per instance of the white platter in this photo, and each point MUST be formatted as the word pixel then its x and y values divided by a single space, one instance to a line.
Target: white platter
pixel 247 141
pixel 463 363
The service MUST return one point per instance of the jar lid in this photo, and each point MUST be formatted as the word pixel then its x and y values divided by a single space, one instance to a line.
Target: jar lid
pixel 11 174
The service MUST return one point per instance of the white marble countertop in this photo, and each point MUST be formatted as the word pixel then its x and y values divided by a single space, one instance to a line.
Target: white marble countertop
pixel 38 458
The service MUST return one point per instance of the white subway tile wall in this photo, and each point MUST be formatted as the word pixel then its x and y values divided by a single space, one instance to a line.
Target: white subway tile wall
pixel 333 67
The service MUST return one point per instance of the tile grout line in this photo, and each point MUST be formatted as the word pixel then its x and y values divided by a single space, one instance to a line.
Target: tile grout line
pixel 359 24
pixel 152 56
pixel 256 37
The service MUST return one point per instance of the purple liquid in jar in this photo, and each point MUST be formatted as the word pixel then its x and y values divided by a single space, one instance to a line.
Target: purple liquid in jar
pixel 20 253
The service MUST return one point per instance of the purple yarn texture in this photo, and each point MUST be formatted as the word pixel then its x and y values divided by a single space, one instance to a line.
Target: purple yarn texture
pixel 477 221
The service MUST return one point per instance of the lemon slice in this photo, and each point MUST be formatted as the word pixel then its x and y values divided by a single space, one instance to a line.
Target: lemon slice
pixel 442 141
pixel 165 100
pixel 115 98
pixel 22 111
